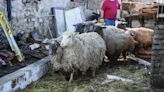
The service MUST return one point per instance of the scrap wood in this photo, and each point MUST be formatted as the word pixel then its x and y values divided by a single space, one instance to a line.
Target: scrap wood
pixel 107 82
pixel 112 78
pixel 7 54
pixel 140 61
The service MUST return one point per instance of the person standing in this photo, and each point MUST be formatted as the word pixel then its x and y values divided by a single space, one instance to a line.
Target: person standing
pixel 109 11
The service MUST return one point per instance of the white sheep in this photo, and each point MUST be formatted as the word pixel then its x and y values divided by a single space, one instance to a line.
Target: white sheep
pixel 79 53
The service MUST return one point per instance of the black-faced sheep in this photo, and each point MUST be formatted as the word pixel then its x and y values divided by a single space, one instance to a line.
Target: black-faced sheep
pixel 79 52
pixel 90 15
pixel 53 44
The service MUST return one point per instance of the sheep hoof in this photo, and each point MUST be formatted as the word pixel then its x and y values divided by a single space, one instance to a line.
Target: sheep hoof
pixel 126 59
pixel 106 59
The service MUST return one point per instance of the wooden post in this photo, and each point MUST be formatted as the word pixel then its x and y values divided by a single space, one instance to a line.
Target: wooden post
pixel 157 71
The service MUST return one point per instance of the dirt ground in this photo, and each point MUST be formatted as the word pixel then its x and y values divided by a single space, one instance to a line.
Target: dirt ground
pixel 130 70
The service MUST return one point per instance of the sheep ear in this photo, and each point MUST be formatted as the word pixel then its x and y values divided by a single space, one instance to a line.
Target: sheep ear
pixel 78 24
pixel 75 33
pixel 103 27
pixel 132 34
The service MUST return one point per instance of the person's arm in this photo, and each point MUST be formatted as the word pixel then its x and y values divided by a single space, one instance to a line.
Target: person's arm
pixel 102 9
pixel 102 14
pixel 102 6
pixel 119 6
pixel 118 10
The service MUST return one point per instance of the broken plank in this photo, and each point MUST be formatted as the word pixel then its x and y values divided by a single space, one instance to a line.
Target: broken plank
pixel 113 77
pixel 139 60
pixel 107 82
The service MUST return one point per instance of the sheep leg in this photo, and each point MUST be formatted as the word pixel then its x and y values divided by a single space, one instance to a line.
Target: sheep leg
pixel 83 73
pixel 71 77
pixel 93 72
pixel 124 55
pixel 106 59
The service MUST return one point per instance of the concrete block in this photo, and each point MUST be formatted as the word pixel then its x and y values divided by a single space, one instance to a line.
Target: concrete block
pixel 23 77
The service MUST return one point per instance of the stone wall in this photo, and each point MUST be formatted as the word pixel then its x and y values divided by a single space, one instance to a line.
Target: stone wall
pixel 3 6
pixel 91 4
pixel 30 15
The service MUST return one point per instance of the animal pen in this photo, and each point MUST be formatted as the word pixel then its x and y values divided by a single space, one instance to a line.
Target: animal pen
pixel 66 48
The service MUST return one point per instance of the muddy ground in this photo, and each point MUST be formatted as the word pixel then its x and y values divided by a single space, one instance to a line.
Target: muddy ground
pixel 130 70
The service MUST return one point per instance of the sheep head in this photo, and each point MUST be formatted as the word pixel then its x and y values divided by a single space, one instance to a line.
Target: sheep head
pixel 68 39
pixel 132 32
pixel 79 27
pixel 53 45
pixel 90 26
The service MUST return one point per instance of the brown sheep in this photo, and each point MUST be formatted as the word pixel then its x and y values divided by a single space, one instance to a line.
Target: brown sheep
pixel 143 37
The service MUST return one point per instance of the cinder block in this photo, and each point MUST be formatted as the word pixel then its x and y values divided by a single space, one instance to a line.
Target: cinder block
pixel 23 77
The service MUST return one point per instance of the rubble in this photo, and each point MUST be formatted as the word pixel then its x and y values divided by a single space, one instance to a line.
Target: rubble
pixel 34 46
pixel 2 62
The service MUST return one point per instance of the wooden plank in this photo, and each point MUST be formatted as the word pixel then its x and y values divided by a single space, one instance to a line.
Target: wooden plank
pixel 140 61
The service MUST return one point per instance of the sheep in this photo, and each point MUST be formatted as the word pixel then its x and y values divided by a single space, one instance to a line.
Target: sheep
pixel 117 41
pixel 79 52
pixel 143 37
pixel 54 44
pixel 91 15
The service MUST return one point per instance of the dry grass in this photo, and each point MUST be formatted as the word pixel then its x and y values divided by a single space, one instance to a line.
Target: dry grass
pixel 55 83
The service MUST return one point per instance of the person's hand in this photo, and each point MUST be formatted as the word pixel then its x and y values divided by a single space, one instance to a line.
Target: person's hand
pixel 101 20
